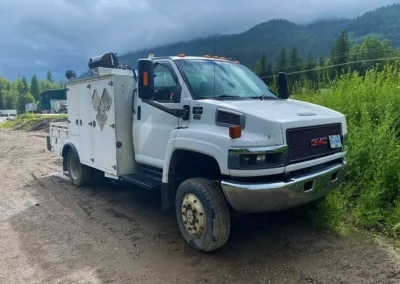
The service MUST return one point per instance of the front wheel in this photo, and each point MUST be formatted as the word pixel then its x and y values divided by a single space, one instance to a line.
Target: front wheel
pixel 202 214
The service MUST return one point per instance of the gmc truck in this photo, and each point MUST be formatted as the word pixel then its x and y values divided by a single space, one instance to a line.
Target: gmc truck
pixel 205 132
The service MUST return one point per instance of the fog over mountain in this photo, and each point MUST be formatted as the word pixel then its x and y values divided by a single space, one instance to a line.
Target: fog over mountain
pixel 63 34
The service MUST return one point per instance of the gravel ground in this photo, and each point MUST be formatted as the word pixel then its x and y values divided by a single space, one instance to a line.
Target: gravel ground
pixel 52 232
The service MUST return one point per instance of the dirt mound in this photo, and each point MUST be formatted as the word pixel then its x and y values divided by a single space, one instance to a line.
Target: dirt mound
pixel 44 124
pixel 41 124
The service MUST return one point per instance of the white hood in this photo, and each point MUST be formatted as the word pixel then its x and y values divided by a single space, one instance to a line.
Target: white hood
pixel 282 111
pixel 287 113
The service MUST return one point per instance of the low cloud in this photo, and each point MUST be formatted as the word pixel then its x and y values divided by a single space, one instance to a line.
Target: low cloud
pixel 63 34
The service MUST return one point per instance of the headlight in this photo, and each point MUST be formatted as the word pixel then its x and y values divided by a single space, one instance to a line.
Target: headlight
pixel 252 160
pixel 257 158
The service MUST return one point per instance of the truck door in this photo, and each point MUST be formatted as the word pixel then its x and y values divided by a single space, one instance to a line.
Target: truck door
pixel 86 135
pixel 73 116
pixel 103 123
pixel 152 126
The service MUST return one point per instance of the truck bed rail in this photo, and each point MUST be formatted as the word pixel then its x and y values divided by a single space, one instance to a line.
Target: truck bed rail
pixel 58 134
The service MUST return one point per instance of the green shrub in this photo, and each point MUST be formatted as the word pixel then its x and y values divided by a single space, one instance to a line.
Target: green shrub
pixel 371 196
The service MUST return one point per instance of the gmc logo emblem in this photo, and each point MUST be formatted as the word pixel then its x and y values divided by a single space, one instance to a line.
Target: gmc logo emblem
pixel 319 142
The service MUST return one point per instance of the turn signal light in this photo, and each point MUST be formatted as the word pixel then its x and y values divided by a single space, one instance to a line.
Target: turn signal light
pixel 145 79
pixel 235 131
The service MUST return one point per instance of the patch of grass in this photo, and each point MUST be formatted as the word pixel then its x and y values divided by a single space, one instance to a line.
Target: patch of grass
pixel 371 196
pixel 30 121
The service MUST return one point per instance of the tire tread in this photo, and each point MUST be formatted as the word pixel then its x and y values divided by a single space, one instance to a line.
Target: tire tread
pixel 216 200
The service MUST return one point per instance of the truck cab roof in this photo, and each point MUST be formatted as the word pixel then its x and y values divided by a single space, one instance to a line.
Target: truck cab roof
pixel 184 57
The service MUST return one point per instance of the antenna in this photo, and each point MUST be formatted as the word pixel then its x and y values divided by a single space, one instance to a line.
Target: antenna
pixel 215 53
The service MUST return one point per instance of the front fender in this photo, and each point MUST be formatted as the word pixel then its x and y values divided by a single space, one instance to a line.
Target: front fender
pixel 195 145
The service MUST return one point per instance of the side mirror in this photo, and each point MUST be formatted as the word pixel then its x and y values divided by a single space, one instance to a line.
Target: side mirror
pixel 146 79
pixel 283 86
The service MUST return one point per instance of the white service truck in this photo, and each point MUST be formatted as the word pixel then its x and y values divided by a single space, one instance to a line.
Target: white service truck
pixel 31 107
pixel 207 133
pixel 59 106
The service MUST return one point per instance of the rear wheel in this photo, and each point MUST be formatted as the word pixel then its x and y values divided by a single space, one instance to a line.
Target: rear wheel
pixel 79 174
pixel 202 214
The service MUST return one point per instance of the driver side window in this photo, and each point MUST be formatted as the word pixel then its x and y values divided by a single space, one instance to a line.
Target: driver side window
pixel 166 90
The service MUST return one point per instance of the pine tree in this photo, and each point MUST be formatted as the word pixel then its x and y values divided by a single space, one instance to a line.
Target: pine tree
pixel 26 86
pixel 49 76
pixel 341 51
pixel 2 101
pixel 282 64
pixel 311 64
pixel 296 61
pixel 35 88
pixel 258 68
pixel 269 74
pixel 270 69
pixel 321 62
pixel 263 65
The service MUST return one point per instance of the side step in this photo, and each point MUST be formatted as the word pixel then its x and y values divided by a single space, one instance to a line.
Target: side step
pixel 145 179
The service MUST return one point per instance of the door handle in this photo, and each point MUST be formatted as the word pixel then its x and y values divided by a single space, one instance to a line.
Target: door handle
pixel 139 112
pixel 90 123
pixel 80 122
pixel 76 121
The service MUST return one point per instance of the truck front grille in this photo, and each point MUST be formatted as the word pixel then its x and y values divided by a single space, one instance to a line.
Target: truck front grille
pixel 299 142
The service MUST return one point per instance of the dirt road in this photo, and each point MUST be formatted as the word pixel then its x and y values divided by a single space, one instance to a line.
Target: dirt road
pixel 51 232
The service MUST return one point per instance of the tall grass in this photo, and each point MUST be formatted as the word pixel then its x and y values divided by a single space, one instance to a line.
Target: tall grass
pixel 371 196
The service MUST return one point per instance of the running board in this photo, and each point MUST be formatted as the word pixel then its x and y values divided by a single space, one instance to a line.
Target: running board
pixel 144 180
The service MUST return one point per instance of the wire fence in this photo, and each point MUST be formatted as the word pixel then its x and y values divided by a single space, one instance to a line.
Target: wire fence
pixel 336 65
pixel 341 55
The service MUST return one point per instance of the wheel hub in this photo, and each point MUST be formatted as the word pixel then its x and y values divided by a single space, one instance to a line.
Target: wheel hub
pixel 193 215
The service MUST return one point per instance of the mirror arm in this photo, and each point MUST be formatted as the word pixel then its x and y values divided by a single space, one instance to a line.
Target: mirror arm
pixel 179 113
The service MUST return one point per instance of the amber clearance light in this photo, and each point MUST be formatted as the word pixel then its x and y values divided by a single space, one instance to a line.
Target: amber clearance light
pixel 145 79
pixel 235 131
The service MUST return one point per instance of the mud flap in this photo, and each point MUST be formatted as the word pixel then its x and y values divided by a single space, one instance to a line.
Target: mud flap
pixel 48 143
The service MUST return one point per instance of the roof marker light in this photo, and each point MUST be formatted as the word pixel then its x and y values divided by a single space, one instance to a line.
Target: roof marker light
pixel 181 55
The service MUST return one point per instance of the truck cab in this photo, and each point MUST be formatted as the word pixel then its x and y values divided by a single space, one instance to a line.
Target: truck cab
pixel 207 133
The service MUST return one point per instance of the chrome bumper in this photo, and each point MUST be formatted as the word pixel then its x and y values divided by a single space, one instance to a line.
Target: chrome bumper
pixel 273 197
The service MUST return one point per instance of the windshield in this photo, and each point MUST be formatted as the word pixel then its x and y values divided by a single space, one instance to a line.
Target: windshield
pixel 209 79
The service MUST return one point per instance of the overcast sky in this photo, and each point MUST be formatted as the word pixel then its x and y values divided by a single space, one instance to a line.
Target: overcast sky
pixel 37 35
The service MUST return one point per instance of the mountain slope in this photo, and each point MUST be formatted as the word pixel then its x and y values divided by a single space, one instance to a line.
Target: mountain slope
pixel 247 47
pixel 316 38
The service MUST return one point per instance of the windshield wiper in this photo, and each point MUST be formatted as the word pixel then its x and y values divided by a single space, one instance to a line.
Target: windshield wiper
pixel 226 97
pixel 262 97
